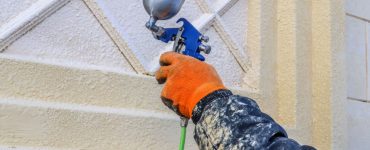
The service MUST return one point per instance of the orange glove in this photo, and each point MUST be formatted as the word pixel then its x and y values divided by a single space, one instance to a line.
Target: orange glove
pixel 187 79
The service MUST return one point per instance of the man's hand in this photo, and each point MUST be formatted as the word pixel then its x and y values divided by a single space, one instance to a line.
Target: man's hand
pixel 187 80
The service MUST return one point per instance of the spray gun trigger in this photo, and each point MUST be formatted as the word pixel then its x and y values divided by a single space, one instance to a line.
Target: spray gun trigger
pixel 177 45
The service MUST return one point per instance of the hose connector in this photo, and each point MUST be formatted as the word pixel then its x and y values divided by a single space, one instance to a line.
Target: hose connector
pixel 184 121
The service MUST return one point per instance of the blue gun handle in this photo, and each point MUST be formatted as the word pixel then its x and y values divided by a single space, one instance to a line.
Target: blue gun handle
pixel 191 38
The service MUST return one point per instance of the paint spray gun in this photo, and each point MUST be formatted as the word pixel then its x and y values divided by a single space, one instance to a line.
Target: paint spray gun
pixel 187 39
pixel 186 35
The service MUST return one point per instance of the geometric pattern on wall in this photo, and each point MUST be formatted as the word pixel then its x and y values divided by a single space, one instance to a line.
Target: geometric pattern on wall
pixel 111 34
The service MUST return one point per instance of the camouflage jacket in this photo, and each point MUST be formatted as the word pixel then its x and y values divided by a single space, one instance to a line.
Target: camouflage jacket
pixel 226 121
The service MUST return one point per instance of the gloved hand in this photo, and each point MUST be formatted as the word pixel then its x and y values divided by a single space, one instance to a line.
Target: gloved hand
pixel 187 80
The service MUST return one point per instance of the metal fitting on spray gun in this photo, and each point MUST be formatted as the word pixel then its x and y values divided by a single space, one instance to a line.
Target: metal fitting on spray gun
pixel 156 30
pixel 185 36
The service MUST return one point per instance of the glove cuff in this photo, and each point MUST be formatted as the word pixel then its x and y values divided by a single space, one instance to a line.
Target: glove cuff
pixel 205 101
pixel 201 92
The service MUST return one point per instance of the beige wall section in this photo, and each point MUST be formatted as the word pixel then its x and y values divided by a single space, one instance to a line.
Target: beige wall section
pixel 286 62
pixel 261 46
pixel 328 69
pixel 57 125
pixel 48 105
pixel 297 48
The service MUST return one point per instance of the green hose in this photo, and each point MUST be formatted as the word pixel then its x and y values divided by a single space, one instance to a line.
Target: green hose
pixel 184 123
pixel 182 138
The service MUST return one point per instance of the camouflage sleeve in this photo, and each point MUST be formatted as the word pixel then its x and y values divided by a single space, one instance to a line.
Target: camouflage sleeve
pixel 226 121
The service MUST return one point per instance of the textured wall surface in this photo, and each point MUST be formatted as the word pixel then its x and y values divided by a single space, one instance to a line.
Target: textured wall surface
pixel 73 35
pixel 74 72
pixel 298 50
pixel 358 77
pixel 9 9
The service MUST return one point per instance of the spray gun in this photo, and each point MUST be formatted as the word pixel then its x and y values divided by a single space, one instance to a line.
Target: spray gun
pixel 186 35
pixel 187 39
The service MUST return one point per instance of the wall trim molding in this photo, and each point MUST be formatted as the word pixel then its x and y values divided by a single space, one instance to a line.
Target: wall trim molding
pixel 26 20
pixel 115 36
pixel 232 46
pixel 229 4
pixel 221 31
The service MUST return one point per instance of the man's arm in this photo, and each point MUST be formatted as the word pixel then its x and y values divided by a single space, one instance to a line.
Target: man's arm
pixel 226 121
pixel 193 89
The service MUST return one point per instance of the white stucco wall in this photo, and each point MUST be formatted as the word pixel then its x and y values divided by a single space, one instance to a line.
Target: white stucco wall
pixel 73 35
pixel 10 9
